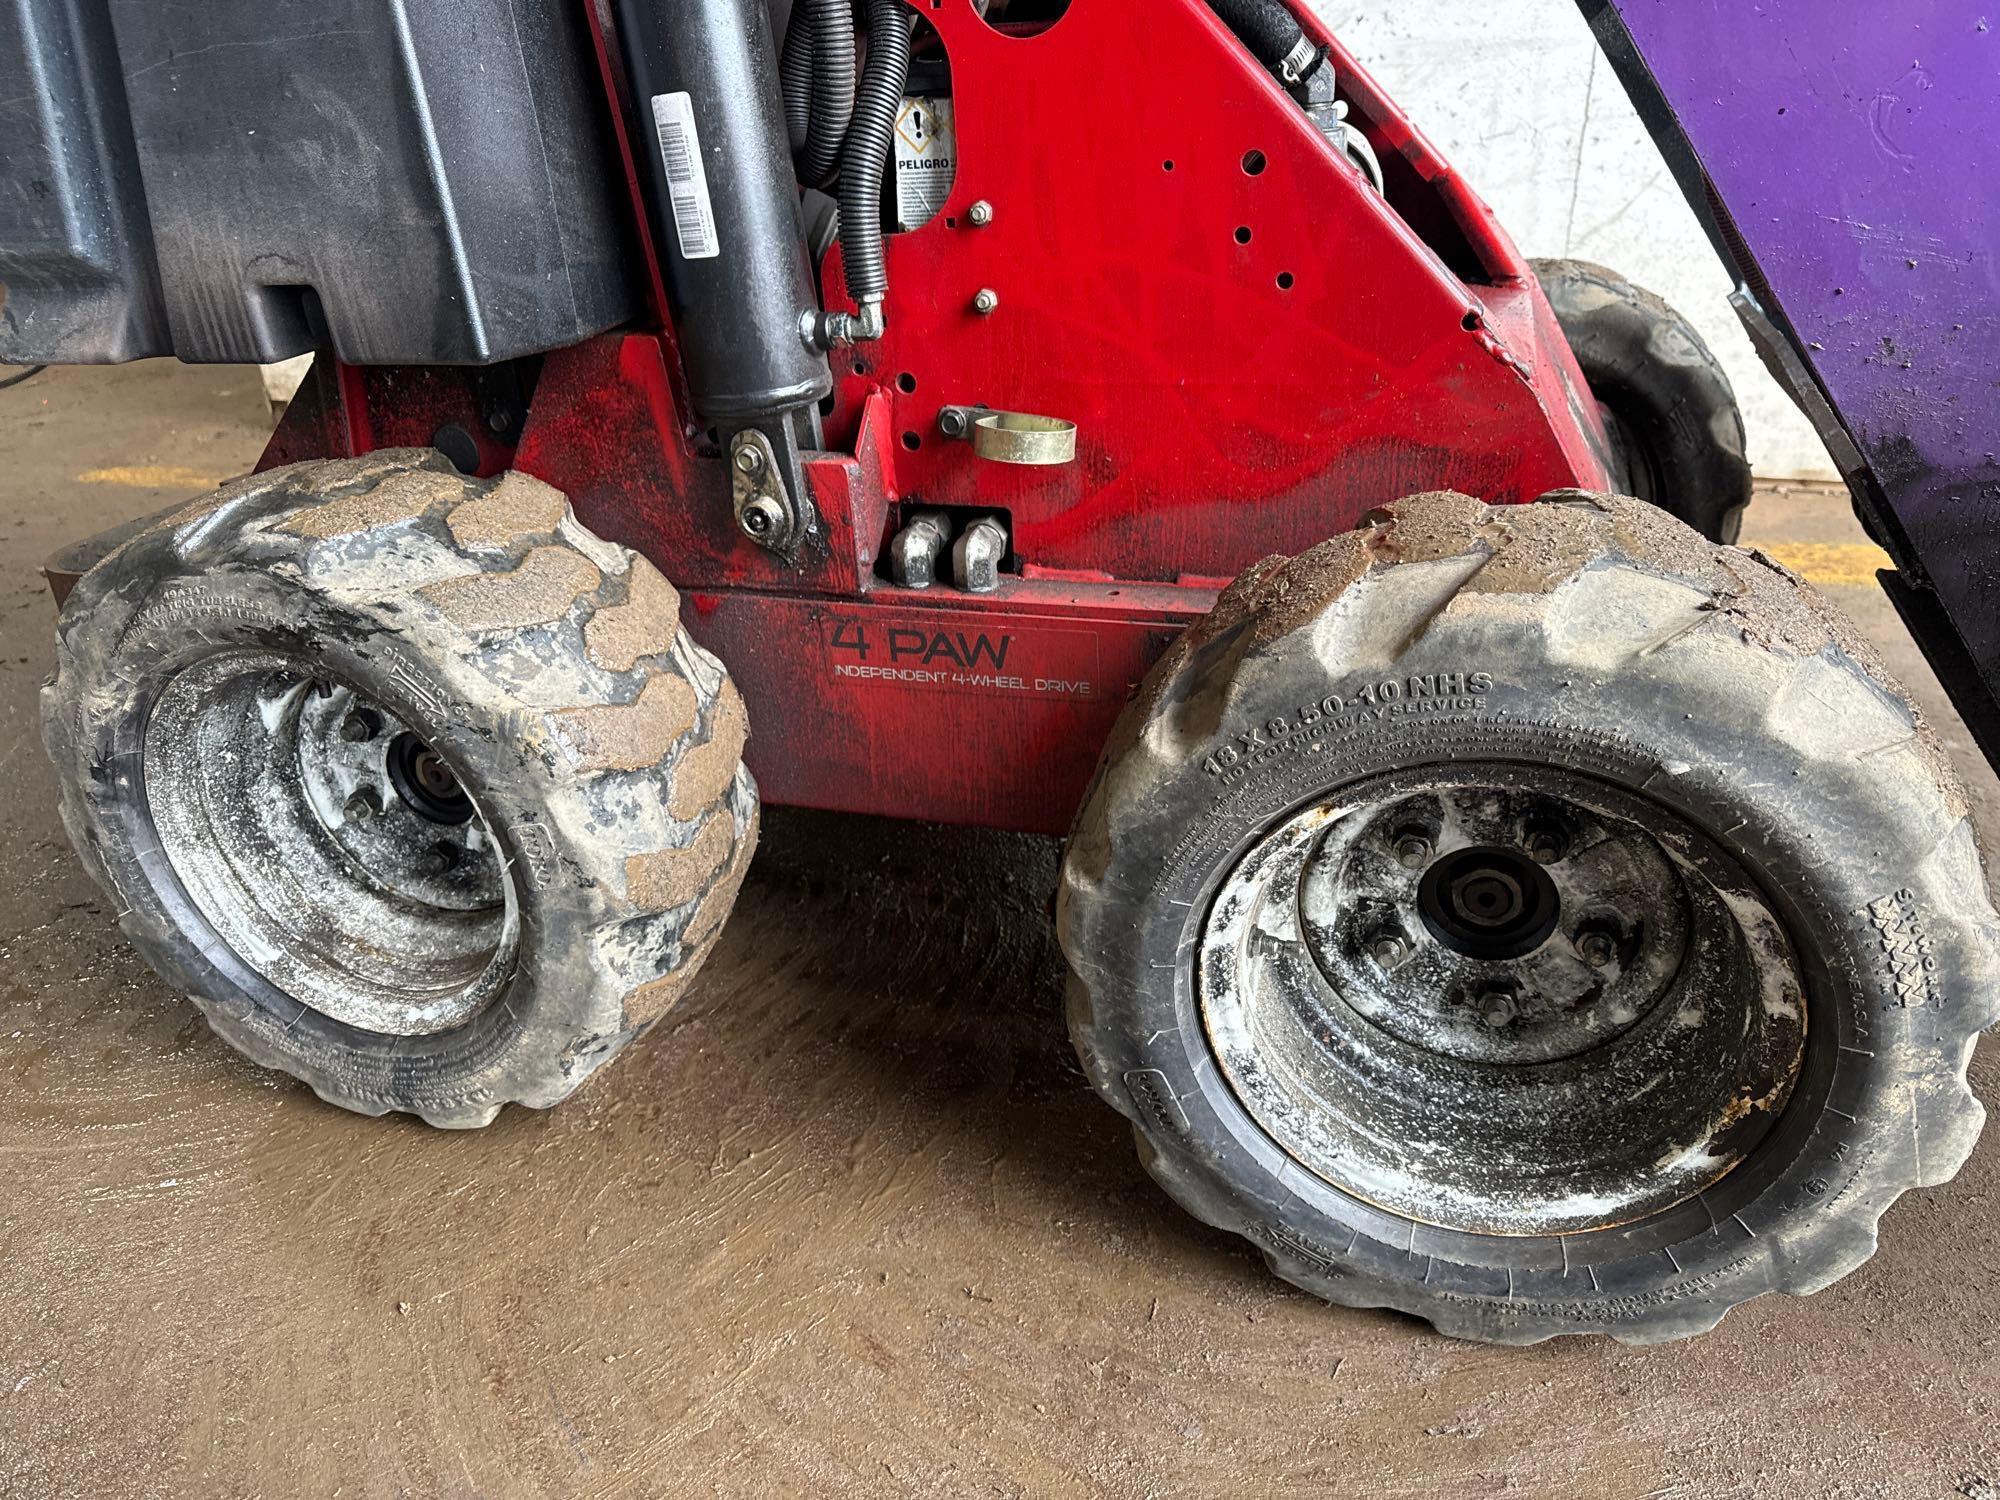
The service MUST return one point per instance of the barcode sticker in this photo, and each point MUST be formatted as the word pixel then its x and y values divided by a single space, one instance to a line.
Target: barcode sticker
pixel 687 178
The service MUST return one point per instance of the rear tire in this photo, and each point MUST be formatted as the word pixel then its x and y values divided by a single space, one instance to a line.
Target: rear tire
pixel 413 785
pixel 1723 1027
pixel 1676 432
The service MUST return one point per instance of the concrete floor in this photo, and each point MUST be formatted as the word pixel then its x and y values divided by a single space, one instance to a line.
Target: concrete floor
pixel 849 1222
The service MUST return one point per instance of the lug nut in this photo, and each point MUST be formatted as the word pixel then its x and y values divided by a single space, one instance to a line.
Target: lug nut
pixel 1496 1009
pixel 1596 947
pixel 980 214
pixel 985 300
pixel 761 518
pixel 1413 851
pixel 363 805
pixel 1389 949
pixel 1546 845
pixel 359 725
pixel 438 860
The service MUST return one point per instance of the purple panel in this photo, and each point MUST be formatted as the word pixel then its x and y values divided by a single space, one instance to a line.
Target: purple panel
pixel 1856 146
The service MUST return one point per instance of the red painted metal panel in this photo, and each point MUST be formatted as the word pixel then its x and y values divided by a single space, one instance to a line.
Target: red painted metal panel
pixel 985 709
pixel 1222 416
pixel 1235 397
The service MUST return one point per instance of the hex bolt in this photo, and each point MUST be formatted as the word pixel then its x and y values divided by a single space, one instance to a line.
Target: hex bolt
pixel 762 518
pixel 955 421
pixel 748 459
pixel 438 859
pixel 1413 851
pixel 359 725
pixel 1496 1008
pixel 980 214
pixel 363 805
pixel 1389 948
pixel 1596 947
pixel 985 300
pixel 1546 845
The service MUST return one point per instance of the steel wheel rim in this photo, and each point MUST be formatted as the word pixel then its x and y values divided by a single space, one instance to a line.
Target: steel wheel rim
pixel 328 845
pixel 1625 1061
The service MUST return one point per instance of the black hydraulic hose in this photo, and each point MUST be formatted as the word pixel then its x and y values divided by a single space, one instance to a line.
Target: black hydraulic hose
pixel 867 154
pixel 833 100
pixel 1272 34
pixel 795 76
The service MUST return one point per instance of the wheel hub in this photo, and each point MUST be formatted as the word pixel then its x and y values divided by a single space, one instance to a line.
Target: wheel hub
pixel 328 844
pixel 1488 902
pixel 425 782
pixel 1501 999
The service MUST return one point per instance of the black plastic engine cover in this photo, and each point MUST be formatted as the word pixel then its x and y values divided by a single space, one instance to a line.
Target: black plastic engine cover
pixel 409 181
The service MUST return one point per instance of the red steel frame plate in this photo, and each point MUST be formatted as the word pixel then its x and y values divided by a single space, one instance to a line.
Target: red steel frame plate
pixel 1257 350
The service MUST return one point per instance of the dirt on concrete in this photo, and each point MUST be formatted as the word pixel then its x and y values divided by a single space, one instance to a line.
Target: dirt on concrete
pixel 850 1221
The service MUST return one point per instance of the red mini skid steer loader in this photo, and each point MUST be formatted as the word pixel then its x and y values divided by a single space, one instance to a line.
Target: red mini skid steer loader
pixel 1511 903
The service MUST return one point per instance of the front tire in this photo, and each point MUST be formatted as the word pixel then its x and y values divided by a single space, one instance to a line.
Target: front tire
pixel 1533 919
pixel 415 787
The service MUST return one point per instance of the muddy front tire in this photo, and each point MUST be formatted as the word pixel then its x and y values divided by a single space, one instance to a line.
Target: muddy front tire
pixel 1537 920
pixel 413 785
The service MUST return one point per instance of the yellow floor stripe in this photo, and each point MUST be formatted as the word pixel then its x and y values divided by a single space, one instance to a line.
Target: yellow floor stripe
pixel 1830 564
pixel 152 477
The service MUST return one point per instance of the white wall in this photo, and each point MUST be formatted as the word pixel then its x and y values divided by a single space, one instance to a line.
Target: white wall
pixel 1517 96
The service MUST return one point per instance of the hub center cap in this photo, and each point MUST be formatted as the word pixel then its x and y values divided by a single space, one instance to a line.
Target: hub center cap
pixel 1488 902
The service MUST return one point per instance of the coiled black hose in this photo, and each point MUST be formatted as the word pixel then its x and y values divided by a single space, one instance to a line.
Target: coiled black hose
pixel 833 102
pixel 795 77
pixel 866 157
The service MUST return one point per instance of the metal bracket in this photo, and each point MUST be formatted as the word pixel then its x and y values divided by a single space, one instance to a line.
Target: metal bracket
pixel 764 510
pixel 1010 437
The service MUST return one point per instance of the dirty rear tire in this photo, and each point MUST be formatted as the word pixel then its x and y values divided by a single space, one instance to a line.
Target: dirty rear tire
pixel 599 746
pixel 1676 432
pixel 1596 638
